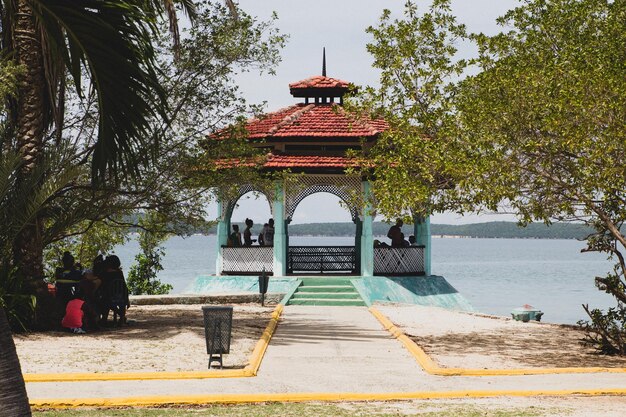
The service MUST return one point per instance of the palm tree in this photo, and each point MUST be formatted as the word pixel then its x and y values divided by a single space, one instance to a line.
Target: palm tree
pixel 110 42
pixel 20 203
pixel 13 398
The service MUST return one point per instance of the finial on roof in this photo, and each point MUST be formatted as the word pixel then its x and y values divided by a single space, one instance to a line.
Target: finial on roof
pixel 324 62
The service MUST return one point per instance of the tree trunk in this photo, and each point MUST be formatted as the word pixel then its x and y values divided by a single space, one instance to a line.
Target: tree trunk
pixel 28 247
pixel 13 397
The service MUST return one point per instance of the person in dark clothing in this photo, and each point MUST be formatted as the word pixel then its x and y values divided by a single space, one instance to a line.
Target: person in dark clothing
pixel 235 237
pixel 262 234
pixel 98 265
pixel 93 284
pixel 268 233
pixel 395 234
pixel 67 279
pixel 114 291
pixel 247 234
pixel 91 287
pixel 405 243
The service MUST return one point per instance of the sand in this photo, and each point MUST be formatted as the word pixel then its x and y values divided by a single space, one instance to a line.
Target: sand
pixel 465 340
pixel 159 338
pixel 341 349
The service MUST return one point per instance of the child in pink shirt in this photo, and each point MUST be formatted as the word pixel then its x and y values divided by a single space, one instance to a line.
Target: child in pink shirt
pixel 74 315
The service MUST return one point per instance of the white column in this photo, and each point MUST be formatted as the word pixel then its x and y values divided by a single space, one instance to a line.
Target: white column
pixel 367 238
pixel 223 225
pixel 423 238
pixel 280 237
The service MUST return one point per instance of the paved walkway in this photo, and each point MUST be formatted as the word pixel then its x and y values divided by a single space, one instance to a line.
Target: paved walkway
pixel 328 350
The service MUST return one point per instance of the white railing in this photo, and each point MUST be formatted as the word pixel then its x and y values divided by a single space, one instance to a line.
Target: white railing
pixel 399 261
pixel 247 259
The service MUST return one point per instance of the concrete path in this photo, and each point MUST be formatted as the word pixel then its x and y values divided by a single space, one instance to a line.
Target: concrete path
pixel 328 350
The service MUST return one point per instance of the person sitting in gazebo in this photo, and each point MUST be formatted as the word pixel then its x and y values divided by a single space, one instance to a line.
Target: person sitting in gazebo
pixel 395 234
pixel 235 237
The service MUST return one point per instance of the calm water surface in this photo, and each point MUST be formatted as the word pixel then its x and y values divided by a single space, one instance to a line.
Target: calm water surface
pixel 495 275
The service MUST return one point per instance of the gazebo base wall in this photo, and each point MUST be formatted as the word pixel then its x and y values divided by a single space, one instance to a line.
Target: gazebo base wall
pixel 429 290
pixel 238 284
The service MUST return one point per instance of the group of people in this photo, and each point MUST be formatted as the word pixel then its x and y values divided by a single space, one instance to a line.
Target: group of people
pixel 397 237
pixel 265 238
pixel 87 296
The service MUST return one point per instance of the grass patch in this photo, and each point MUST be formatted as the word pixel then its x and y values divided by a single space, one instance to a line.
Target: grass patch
pixel 378 409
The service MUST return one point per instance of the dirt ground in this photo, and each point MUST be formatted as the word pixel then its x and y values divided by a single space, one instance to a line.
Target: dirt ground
pixel 464 340
pixel 157 338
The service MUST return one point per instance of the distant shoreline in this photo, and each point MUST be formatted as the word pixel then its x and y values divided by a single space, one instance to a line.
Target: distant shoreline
pixel 433 236
pixel 488 230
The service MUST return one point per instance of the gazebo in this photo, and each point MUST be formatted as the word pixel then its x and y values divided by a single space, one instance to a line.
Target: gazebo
pixel 310 139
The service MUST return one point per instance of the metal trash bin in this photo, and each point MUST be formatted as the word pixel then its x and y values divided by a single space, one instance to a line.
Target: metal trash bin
pixel 264 280
pixel 218 323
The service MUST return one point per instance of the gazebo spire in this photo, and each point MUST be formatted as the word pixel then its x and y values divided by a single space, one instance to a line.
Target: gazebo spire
pixel 324 62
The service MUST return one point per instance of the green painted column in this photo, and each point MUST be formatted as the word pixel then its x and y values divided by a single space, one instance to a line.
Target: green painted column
pixel 357 242
pixel 223 226
pixel 421 230
pixel 280 235
pixel 367 238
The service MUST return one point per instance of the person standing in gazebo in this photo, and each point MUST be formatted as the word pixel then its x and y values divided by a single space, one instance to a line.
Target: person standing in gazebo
pixel 268 233
pixel 395 234
pixel 247 234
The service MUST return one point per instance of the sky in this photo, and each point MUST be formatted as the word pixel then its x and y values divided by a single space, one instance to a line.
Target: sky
pixel 339 26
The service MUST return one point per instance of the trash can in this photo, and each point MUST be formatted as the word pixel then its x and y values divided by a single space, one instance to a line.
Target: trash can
pixel 218 322
pixel 264 280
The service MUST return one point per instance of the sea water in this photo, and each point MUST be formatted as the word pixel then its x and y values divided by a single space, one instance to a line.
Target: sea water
pixel 495 275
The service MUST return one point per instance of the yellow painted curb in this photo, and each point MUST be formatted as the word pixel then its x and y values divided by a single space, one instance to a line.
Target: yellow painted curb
pixel 432 368
pixel 264 341
pixel 254 362
pixel 152 401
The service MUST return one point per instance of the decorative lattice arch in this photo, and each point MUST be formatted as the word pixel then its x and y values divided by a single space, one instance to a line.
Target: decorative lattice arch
pixel 344 187
pixel 229 206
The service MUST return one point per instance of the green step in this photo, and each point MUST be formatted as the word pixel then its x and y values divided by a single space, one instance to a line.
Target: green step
pixel 325 302
pixel 326 288
pixel 326 291
pixel 327 295
pixel 315 281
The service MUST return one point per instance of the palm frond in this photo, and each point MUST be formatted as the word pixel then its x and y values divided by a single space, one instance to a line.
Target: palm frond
pixel 113 40
pixel 157 7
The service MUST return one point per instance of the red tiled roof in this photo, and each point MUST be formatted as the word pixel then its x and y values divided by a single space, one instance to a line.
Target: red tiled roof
pixel 293 161
pixel 313 120
pixel 319 81
pixel 289 161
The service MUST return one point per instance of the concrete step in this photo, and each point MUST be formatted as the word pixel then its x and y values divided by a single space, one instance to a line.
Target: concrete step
pixel 325 302
pixel 327 295
pixel 326 288
pixel 317 281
